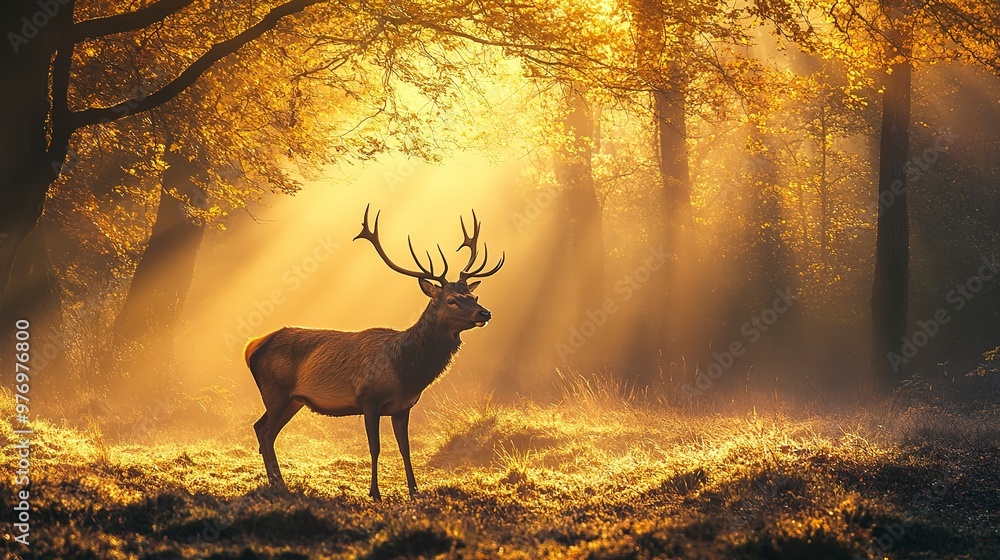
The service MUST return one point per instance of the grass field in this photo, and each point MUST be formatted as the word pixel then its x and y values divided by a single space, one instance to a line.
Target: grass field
pixel 594 476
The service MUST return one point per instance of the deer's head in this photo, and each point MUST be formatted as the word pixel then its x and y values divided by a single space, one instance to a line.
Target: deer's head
pixel 454 305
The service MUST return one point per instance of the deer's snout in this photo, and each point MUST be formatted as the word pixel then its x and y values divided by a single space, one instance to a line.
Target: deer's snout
pixel 483 315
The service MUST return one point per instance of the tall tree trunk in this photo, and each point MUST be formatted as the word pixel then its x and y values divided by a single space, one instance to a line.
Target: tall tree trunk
pixel 33 294
pixel 770 259
pixel 144 329
pixel 890 289
pixel 573 169
pixel 582 279
pixel 824 190
pixel 675 172
pixel 668 86
pixel 26 167
pixel 33 291
pixel 675 176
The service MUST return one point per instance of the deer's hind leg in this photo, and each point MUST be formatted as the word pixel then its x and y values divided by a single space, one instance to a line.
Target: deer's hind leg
pixel 258 428
pixel 279 412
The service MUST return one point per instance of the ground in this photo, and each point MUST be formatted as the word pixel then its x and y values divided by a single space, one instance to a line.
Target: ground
pixel 593 476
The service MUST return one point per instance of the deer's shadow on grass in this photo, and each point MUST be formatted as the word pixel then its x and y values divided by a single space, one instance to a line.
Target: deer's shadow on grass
pixel 269 517
pixel 479 443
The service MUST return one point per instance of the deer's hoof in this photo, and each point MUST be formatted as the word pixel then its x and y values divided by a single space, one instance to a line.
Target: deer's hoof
pixel 375 495
pixel 413 493
pixel 276 482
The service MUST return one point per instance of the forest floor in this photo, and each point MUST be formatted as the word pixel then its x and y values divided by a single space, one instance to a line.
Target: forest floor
pixel 594 476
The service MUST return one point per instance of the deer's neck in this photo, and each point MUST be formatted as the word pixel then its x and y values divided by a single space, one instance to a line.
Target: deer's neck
pixel 426 350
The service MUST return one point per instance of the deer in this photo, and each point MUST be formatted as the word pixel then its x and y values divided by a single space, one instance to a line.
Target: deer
pixel 375 372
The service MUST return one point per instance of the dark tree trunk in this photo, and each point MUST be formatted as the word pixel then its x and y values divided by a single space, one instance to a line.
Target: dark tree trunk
pixel 33 294
pixel 890 289
pixel 144 329
pixel 675 176
pixel 581 280
pixel 769 259
pixel 584 235
pixel 660 330
pixel 674 170
pixel 824 191
pixel 26 166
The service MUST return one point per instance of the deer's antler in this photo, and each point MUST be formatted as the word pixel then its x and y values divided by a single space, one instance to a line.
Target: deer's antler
pixel 371 234
pixel 472 242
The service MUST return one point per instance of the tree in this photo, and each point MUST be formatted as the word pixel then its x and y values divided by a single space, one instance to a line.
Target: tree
pixel 573 168
pixel 144 328
pixel 40 131
pixel 891 285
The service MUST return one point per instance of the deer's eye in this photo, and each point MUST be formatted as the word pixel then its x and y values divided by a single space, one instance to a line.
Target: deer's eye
pixel 451 301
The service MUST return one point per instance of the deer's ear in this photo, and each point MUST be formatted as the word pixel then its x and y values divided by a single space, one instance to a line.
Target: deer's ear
pixel 474 285
pixel 429 288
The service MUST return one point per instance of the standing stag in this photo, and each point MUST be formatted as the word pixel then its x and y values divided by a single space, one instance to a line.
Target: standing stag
pixel 376 372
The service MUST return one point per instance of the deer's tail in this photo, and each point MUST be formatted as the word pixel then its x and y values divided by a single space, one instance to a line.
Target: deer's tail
pixel 252 346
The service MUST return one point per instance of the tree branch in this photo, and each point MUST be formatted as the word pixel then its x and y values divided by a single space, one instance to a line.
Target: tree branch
pixel 129 21
pixel 190 74
pixel 62 65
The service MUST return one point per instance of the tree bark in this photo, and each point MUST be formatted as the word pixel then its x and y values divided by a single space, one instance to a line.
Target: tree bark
pixel 144 329
pixel 34 294
pixel 770 256
pixel 668 86
pixel 585 237
pixel 25 166
pixel 34 291
pixel 824 190
pixel 674 168
pixel 675 177
pixel 890 289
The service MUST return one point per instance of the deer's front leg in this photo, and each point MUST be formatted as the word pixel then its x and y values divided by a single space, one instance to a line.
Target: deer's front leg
pixel 371 427
pixel 400 427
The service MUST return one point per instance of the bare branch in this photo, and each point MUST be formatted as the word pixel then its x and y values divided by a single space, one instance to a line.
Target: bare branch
pixel 129 21
pixel 191 74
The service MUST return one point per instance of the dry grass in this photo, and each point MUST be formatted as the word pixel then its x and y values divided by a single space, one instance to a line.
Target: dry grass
pixel 595 476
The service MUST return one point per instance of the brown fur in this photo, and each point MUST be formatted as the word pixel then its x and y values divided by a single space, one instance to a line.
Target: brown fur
pixel 252 346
